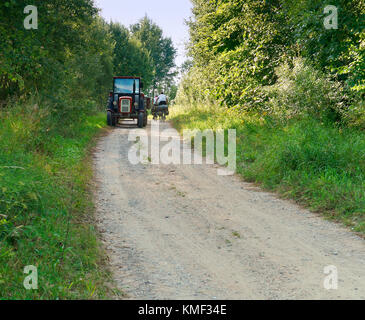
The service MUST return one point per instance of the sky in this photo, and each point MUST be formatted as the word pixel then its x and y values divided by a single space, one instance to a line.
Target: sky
pixel 168 14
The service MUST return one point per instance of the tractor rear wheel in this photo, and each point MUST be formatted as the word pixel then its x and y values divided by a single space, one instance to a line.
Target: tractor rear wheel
pixel 114 121
pixel 109 119
pixel 140 120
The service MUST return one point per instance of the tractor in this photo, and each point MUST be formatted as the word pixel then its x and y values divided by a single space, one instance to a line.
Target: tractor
pixel 126 101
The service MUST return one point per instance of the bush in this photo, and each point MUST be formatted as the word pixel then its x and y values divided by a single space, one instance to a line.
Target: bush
pixel 301 90
pixel 355 114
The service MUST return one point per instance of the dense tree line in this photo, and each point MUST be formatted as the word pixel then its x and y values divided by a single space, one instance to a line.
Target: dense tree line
pixel 241 51
pixel 74 53
pixel 149 53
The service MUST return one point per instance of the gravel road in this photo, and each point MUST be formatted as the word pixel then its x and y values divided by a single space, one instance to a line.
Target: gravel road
pixel 184 232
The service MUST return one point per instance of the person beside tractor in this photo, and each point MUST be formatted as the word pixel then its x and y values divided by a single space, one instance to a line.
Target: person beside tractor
pixel 162 99
pixel 160 109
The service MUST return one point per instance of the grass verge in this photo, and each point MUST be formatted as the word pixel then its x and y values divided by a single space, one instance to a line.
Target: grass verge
pixel 46 210
pixel 320 166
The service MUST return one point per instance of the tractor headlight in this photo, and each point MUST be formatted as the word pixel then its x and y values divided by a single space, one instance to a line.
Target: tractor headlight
pixel 114 103
pixel 136 104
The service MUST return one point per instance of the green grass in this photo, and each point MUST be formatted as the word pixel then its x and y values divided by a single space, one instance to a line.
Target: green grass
pixel 320 166
pixel 46 210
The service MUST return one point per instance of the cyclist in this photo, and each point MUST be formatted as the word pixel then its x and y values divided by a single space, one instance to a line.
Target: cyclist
pixel 162 99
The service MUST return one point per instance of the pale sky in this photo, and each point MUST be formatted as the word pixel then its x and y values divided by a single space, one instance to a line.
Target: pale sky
pixel 168 14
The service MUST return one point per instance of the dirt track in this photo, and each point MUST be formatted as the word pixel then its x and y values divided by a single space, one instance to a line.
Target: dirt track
pixel 183 232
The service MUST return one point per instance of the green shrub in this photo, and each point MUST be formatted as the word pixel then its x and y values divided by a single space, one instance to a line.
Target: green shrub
pixel 301 90
pixel 355 114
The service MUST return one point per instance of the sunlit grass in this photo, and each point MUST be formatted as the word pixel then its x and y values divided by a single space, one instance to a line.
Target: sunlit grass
pixel 321 166
pixel 46 212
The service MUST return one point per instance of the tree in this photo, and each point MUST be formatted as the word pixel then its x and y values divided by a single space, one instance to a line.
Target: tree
pixel 35 60
pixel 130 56
pixel 235 46
pixel 161 49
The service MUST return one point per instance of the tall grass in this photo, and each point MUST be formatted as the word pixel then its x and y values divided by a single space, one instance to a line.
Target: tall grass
pixel 320 165
pixel 46 211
